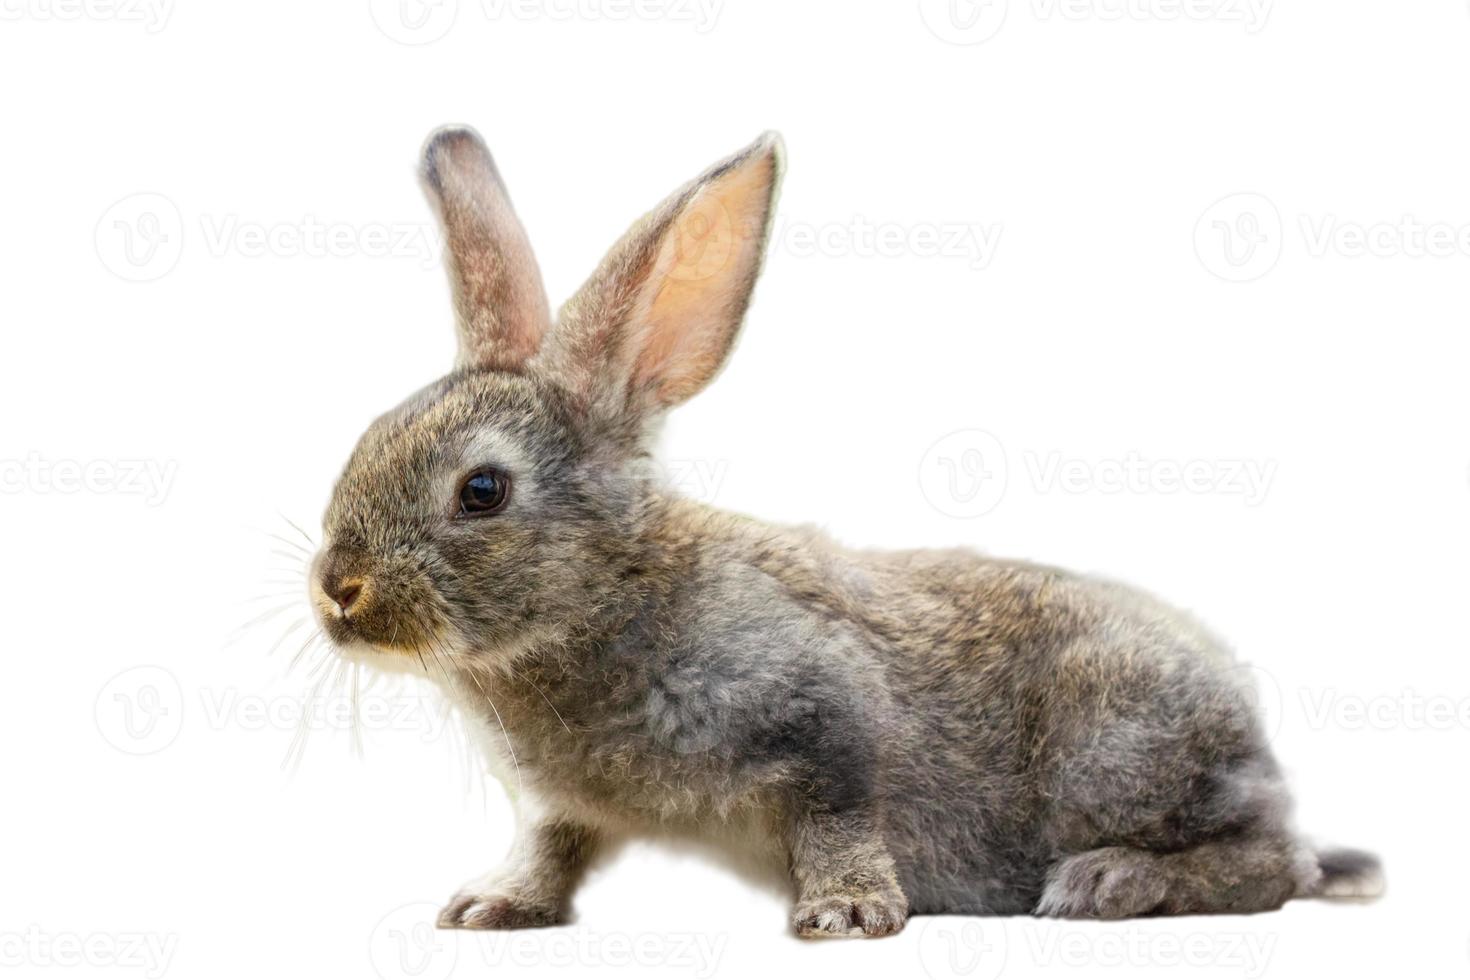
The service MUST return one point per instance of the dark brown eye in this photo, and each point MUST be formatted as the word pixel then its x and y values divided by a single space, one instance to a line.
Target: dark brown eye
pixel 484 493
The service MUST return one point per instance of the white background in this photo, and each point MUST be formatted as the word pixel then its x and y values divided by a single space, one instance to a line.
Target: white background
pixel 1003 309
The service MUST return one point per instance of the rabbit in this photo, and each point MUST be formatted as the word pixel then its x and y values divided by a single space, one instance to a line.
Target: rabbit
pixel 918 732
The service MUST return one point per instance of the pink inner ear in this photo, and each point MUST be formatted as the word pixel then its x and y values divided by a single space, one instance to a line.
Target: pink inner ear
pixel 701 281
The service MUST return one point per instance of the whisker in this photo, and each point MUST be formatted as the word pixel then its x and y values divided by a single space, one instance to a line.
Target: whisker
pixel 239 632
pixel 434 652
pixel 356 716
pixel 520 781
pixel 297 527
pixel 309 644
pixel 465 748
pixel 543 697
pixel 275 595
pixel 289 630
pixel 302 549
pixel 323 667
pixel 296 751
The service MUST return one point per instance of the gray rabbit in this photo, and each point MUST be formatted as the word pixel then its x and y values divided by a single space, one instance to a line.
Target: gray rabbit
pixel 910 732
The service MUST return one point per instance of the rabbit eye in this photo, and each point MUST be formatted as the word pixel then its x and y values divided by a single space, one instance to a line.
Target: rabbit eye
pixel 485 492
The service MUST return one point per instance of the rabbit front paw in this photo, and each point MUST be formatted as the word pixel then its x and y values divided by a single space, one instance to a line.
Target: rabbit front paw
pixel 873 914
pixel 496 911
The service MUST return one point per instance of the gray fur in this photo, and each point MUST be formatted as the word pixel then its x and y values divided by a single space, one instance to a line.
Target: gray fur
pixel 916 732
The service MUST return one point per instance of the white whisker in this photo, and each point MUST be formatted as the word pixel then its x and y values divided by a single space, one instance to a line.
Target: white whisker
pixel 289 630
pixel 543 697
pixel 297 528
pixel 520 782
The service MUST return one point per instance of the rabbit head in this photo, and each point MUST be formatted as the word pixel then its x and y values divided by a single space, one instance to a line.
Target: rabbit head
pixel 510 497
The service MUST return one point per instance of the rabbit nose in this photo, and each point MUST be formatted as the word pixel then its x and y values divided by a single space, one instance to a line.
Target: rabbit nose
pixel 344 592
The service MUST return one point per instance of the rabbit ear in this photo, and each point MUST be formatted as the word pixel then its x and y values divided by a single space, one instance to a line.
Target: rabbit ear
pixel 498 297
pixel 657 319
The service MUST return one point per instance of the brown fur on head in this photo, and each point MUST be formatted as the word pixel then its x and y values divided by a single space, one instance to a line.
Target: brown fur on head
pixel 559 414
